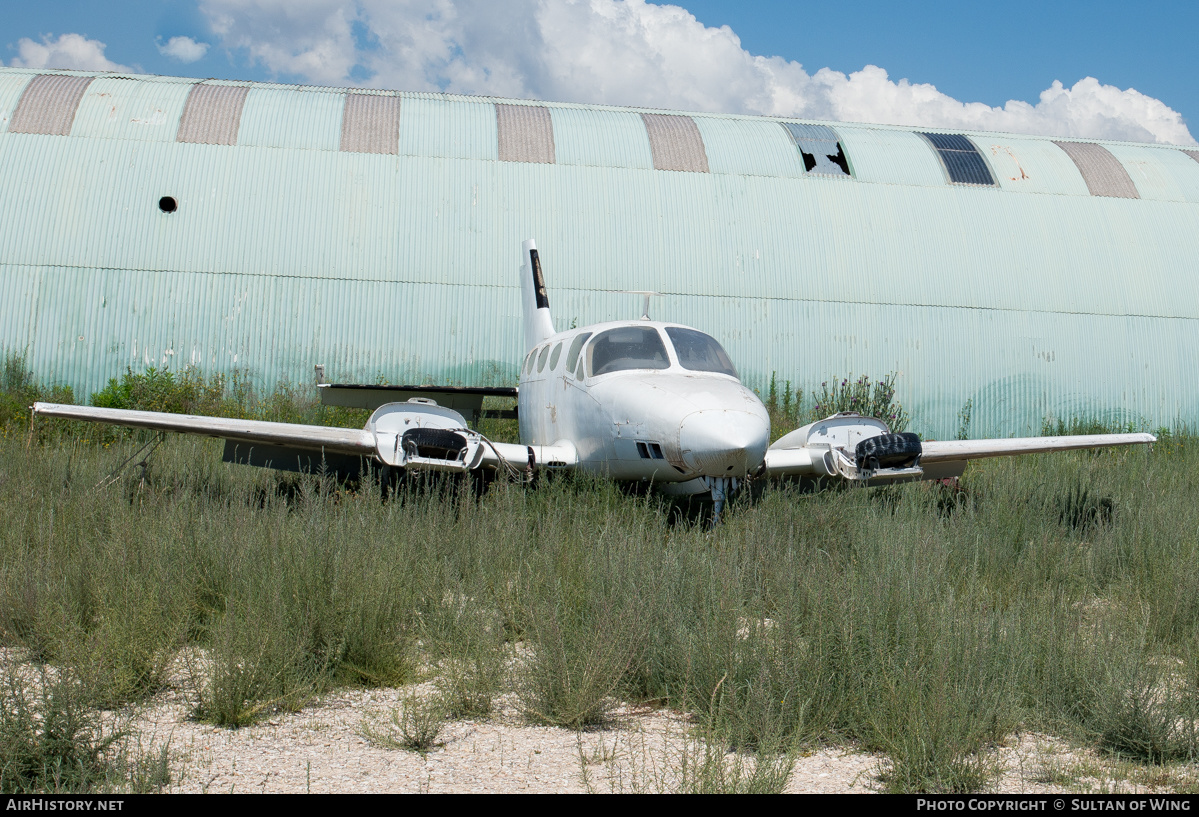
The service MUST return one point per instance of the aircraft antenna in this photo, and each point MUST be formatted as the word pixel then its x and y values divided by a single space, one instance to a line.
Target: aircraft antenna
pixel 645 303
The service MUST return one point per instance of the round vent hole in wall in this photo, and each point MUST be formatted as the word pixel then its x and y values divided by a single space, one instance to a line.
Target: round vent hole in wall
pixel 167 204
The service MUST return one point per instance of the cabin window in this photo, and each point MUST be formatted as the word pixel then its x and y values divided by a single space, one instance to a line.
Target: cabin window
pixel 572 357
pixel 699 352
pixel 579 372
pixel 557 353
pixel 629 347
pixel 529 362
pixel 541 360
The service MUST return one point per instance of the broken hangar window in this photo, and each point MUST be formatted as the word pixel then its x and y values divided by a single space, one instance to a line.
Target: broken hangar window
pixel 820 149
pixel 961 158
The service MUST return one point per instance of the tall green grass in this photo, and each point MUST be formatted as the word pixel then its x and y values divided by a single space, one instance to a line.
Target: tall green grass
pixel 928 622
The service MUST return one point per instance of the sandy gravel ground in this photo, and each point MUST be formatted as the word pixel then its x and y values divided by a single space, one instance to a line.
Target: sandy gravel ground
pixel 322 749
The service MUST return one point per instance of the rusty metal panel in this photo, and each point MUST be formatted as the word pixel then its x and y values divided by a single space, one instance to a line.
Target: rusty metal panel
pixel 1102 171
pixel 371 123
pixel 48 104
pixel 820 148
pixel 278 116
pixel 749 146
pixel 525 133
pixel 675 142
pixel 212 114
pixel 131 107
pixel 600 138
pixel 12 85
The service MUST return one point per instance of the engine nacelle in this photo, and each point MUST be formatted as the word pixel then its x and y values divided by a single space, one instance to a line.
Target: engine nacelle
pixel 423 435
pixel 847 445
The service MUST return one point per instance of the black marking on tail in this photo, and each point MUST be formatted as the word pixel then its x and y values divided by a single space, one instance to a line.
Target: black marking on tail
pixel 543 300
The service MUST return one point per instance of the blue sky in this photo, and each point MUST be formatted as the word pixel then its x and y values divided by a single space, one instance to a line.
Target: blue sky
pixel 963 62
pixel 986 52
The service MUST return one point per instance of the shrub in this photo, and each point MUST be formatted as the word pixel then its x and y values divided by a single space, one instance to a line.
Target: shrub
pixel 155 389
pixel 53 740
pixel 864 396
pixel 414 726
pixel 190 391
pixel 19 390
pixel 579 659
pixel 471 661
pixel 784 405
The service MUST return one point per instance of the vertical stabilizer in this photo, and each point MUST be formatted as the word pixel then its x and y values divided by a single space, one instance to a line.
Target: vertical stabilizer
pixel 534 300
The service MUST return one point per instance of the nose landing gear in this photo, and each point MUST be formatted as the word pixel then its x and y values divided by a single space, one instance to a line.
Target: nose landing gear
pixel 720 488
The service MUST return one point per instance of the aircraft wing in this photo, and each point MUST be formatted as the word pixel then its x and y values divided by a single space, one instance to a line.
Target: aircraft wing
pixel 862 449
pixel 952 450
pixel 413 435
pixel 290 435
pixel 947 458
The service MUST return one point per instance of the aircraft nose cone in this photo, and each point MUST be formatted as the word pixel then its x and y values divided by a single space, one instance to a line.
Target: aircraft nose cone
pixel 724 443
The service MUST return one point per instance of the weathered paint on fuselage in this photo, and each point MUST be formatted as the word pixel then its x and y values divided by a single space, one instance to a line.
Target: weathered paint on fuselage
pixel 703 423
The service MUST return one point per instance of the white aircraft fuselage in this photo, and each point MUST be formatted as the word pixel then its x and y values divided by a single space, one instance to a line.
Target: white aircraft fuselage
pixel 668 424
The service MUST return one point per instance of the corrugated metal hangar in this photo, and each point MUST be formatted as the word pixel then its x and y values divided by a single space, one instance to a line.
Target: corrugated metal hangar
pixel 268 228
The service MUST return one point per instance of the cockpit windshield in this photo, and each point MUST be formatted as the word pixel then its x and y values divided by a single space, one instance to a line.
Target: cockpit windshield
pixel 699 352
pixel 629 347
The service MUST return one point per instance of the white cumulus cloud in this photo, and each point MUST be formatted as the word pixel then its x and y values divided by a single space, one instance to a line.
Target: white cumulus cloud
pixel 70 51
pixel 184 49
pixel 310 39
pixel 630 52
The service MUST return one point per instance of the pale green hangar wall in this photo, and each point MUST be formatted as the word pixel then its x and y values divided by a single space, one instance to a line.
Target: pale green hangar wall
pixel 378 233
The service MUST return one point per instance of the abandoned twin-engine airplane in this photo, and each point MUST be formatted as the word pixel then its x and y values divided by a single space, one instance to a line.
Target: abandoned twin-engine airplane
pixel 631 400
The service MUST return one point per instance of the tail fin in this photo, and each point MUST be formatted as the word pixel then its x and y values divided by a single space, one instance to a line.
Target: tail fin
pixel 536 304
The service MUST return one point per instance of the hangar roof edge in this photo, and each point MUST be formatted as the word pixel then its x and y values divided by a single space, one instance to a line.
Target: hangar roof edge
pixel 319 89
